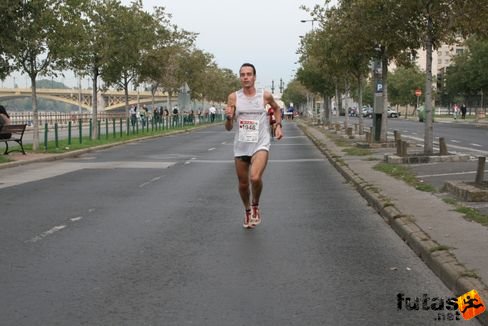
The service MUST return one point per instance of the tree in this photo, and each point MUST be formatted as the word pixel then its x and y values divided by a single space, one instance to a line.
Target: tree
pixel 10 14
pixel 437 22
pixel 468 76
pixel 403 83
pixel 295 93
pixel 133 33
pixel 158 63
pixel 38 47
pixel 90 50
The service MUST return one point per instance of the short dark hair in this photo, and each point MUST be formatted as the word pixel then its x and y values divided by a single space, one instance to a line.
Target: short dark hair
pixel 247 64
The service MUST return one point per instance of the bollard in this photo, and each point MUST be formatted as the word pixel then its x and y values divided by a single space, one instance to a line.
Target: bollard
pixel 113 128
pixel 367 137
pixel 397 135
pixel 56 138
pixel 106 128
pixel 45 136
pixel 356 128
pixel 481 170
pixel 404 148
pixel 69 132
pixel 91 129
pixel 442 146
pixel 337 127
pixel 80 131
pixel 99 124
pixel 398 143
pixel 120 127
pixel 349 131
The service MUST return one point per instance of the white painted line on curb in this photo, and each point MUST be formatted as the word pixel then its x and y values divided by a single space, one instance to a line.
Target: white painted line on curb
pixel 211 149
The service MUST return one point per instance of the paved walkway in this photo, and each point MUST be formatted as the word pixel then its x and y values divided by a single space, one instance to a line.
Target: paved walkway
pixel 454 248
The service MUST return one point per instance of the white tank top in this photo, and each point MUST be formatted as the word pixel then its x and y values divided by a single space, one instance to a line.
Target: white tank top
pixel 252 132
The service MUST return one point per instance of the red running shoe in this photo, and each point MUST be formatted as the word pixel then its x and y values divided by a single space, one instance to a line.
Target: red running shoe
pixel 247 220
pixel 255 216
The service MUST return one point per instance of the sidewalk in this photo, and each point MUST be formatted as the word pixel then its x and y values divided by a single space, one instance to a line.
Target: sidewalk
pixel 455 249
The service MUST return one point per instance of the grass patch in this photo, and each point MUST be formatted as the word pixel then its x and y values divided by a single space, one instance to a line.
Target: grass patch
pixel 473 215
pixel 403 173
pixel 355 151
pixel 341 142
pixel 372 158
pixel 450 201
pixel 439 248
pixel 4 159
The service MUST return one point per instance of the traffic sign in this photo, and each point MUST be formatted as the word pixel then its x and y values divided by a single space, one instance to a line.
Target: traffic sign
pixel 418 92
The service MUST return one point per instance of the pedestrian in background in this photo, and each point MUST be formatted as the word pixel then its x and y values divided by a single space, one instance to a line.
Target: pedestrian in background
pixel 4 121
pixel 212 110
pixel 463 111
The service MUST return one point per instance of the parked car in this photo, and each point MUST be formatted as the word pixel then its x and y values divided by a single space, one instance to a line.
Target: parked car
pixel 367 112
pixel 353 112
pixel 391 113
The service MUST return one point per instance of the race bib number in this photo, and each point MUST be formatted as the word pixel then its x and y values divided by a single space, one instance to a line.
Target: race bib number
pixel 248 131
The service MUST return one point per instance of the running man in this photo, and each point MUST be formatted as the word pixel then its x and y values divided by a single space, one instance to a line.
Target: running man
pixel 247 107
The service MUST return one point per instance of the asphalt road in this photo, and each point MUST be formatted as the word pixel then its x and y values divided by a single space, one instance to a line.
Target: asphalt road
pixel 151 233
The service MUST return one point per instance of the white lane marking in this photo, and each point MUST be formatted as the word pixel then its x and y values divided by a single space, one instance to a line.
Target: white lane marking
pixel 47 233
pixel 20 175
pixel 142 185
pixel 455 141
pixel 76 219
pixel 462 148
pixel 447 174
pixel 211 149
pixel 476 145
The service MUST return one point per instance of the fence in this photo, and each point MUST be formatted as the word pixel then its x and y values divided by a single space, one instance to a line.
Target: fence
pixel 56 126
pixel 60 117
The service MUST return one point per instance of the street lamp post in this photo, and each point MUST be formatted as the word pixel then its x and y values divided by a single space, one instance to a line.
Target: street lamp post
pixel 308 20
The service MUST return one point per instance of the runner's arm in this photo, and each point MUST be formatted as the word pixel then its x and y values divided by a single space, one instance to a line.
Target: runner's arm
pixel 268 99
pixel 230 111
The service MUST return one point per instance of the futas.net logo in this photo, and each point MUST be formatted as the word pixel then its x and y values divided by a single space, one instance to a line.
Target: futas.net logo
pixel 467 306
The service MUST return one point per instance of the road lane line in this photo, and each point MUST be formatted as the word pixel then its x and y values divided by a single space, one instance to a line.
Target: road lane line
pixel 47 233
pixel 447 174
pixel 76 219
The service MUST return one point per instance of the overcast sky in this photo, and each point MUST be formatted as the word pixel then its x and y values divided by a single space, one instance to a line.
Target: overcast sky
pixel 263 32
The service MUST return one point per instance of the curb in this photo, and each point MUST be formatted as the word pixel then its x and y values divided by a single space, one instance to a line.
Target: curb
pixel 443 263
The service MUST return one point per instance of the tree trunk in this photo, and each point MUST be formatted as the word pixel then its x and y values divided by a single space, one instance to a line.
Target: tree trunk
pixel 326 109
pixel 384 117
pixel 360 105
pixel 35 114
pixel 428 134
pixel 95 104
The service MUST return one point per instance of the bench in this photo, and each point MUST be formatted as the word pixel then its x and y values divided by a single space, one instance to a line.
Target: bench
pixel 12 133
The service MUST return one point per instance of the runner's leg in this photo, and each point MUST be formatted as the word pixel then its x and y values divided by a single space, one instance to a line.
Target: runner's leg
pixel 242 169
pixel 258 164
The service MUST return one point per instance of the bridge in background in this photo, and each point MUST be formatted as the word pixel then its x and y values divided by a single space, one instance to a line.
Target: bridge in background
pixel 107 100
